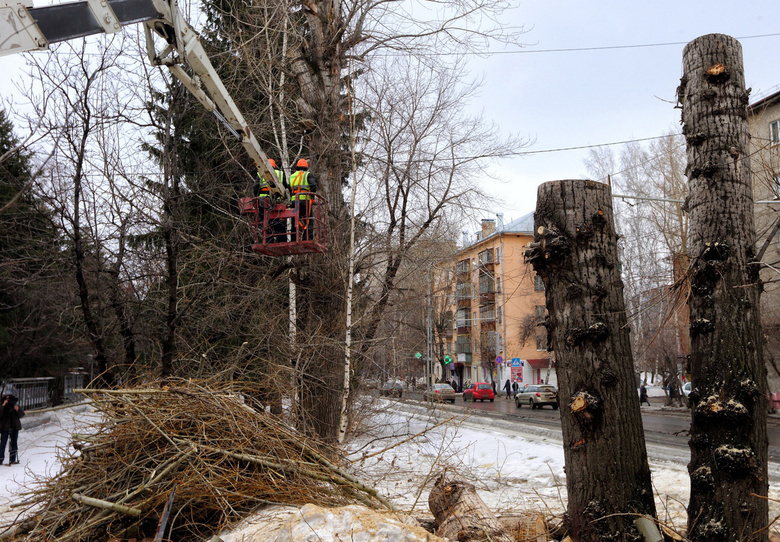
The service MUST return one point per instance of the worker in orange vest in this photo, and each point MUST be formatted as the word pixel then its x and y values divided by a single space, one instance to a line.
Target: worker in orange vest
pixel 301 184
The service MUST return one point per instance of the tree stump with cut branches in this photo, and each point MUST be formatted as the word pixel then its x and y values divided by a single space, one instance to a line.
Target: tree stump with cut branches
pixel 728 442
pixel 575 253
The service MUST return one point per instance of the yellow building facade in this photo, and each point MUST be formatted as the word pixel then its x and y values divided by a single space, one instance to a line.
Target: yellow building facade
pixel 494 302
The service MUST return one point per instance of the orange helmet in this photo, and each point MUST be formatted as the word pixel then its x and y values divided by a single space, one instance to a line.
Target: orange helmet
pixel 302 163
pixel 272 162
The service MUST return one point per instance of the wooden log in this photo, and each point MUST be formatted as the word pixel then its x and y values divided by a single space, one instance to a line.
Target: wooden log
pixel 461 514
pixel 98 503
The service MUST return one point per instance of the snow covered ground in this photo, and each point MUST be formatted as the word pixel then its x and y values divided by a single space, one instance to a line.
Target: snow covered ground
pixel 515 468
pixel 402 448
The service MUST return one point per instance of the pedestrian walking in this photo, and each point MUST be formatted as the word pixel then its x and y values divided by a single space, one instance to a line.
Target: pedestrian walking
pixel 10 414
pixel 508 388
pixel 515 387
pixel 643 395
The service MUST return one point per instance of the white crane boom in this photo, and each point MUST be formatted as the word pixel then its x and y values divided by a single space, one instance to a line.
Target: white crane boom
pixel 25 28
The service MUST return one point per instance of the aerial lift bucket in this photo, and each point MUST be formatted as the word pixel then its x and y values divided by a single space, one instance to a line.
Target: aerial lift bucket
pixel 280 229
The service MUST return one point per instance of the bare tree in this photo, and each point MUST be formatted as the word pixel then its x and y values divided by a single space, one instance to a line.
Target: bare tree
pixel 422 156
pixel 653 244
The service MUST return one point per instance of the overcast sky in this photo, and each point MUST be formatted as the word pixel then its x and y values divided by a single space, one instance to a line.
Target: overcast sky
pixel 591 97
pixel 621 87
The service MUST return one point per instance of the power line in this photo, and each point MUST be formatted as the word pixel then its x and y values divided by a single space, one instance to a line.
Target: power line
pixel 580 49
pixel 561 149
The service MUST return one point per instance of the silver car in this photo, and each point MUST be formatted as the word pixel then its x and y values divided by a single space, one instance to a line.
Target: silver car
pixel 440 393
pixel 536 396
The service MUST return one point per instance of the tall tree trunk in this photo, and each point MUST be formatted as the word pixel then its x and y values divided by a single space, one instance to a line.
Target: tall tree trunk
pixel 608 477
pixel 171 195
pixel 728 442
pixel 317 67
pixel 90 320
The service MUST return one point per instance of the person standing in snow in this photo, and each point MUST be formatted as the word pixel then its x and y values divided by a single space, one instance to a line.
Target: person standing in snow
pixel 10 425
pixel 508 388
pixel 643 395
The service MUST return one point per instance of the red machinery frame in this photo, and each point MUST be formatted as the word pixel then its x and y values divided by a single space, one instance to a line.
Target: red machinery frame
pixel 270 222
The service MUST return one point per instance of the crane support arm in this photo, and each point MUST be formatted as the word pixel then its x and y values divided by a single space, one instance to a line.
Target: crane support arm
pixel 25 28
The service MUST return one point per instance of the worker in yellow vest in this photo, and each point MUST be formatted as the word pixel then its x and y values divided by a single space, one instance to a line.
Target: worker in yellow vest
pixel 301 182
pixel 262 190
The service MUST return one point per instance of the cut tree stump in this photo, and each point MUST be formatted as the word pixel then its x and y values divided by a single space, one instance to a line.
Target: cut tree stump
pixel 460 513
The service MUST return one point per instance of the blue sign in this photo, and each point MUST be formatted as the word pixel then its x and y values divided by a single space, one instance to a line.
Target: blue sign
pixel 517 362
pixel 499 360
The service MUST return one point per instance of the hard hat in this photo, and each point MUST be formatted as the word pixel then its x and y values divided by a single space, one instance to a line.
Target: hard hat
pixel 272 162
pixel 302 163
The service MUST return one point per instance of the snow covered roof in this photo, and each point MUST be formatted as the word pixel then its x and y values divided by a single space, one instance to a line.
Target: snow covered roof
pixel 524 224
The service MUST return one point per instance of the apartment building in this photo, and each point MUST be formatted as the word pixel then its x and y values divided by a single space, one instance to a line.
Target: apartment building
pixel 764 127
pixel 496 302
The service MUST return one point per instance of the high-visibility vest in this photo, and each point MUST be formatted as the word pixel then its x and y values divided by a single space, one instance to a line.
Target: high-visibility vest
pixel 265 187
pixel 299 182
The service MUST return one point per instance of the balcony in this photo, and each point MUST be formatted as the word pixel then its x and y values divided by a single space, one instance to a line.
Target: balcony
pixel 463 358
pixel 487 313
pixel 463 347
pixel 486 258
pixel 487 288
pixel 463 320
pixel 463 293
pixel 463 268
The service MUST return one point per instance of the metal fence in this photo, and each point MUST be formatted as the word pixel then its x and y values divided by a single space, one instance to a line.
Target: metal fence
pixel 34 393
pixel 31 392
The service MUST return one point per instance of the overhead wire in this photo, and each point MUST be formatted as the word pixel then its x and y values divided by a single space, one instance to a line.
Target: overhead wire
pixel 584 49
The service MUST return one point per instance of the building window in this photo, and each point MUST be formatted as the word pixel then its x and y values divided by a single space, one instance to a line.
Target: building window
pixel 774 133
pixel 538 283
pixel 462 291
pixel 541 340
pixel 486 257
pixel 487 285
pixel 487 313
pixel 540 311
pixel 463 344
pixel 462 318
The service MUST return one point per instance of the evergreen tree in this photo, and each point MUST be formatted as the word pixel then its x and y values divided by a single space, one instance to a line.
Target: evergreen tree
pixel 31 340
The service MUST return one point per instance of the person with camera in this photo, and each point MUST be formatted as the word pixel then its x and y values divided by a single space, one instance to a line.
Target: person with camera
pixel 10 425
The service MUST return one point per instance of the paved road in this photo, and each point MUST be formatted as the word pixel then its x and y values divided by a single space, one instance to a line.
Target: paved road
pixel 663 427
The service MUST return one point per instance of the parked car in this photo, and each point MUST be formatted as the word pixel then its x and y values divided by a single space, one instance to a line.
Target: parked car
pixel 478 391
pixel 392 388
pixel 440 393
pixel 686 389
pixel 536 396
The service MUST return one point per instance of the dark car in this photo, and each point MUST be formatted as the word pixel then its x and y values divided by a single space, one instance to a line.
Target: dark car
pixel 479 391
pixel 536 396
pixel 392 388
pixel 440 393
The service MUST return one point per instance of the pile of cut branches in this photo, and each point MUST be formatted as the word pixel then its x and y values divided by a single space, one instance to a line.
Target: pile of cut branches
pixel 220 457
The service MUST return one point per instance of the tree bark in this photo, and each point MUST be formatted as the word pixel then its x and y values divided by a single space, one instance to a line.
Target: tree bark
pixel 316 63
pixel 575 253
pixel 460 514
pixel 728 442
